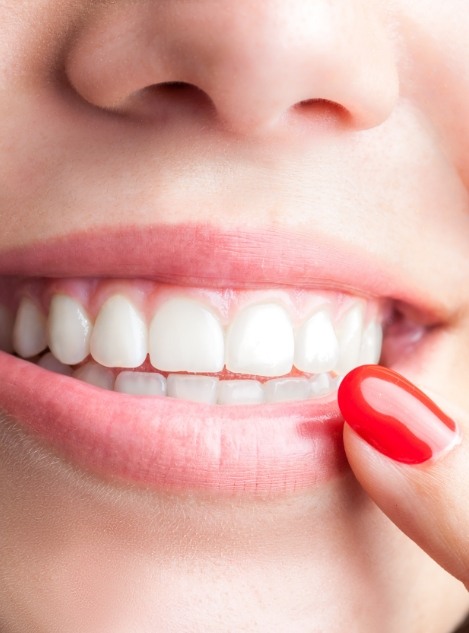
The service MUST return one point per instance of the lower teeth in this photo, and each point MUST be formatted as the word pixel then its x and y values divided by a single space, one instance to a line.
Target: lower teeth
pixel 198 388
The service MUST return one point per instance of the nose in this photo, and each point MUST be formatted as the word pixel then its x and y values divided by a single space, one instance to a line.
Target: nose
pixel 258 63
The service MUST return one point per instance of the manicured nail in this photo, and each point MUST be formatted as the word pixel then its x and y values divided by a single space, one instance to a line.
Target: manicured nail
pixel 393 416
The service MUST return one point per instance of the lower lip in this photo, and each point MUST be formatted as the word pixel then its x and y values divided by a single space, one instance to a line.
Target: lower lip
pixel 169 444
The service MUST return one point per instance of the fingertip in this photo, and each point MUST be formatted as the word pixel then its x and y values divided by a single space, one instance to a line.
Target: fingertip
pixel 393 416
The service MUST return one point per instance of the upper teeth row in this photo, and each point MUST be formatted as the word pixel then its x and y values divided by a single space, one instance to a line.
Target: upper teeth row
pixel 186 335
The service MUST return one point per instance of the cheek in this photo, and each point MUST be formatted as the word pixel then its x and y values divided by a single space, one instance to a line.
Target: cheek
pixel 434 56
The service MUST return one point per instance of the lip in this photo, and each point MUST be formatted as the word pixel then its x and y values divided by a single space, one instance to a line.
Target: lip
pixel 202 255
pixel 170 444
pixel 166 443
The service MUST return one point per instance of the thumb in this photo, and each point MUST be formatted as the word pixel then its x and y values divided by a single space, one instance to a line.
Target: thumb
pixel 411 459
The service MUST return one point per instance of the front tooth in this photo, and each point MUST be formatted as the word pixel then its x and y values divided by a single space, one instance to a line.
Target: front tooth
pixel 186 336
pixel 287 389
pixel 119 337
pixel 29 331
pixel 140 383
pixel 48 361
pixel 260 341
pixel 6 329
pixel 372 341
pixel 240 392
pixel 316 345
pixel 349 334
pixel 94 374
pixel 196 388
pixel 69 330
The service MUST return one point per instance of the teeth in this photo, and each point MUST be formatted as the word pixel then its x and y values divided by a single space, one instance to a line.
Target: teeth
pixel 29 332
pixel 69 330
pixel 139 383
pixel 186 336
pixel 322 385
pixel 196 388
pixel 286 389
pixel 48 361
pixel 240 392
pixel 6 329
pixel 372 341
pixel 119 337
pixel 260 341
pixel 349 334
pixel 96 375
pixel 316 345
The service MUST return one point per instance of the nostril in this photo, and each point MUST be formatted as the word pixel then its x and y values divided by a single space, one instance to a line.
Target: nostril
pixel 323 109
pixel 178 90
pixel 175 86
pixel 169 99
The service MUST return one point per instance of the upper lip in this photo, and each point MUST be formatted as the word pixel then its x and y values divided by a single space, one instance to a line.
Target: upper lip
pixel 202 255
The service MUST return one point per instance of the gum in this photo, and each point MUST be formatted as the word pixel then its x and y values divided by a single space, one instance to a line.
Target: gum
pixel 225 303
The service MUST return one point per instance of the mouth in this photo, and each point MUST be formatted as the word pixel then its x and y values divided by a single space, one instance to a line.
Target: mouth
pixel 183 381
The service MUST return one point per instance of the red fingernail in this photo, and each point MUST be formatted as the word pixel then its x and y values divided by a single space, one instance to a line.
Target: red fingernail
pixel 392 415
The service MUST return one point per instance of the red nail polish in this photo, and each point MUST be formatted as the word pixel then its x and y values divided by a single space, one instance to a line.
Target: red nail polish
pixel 392 415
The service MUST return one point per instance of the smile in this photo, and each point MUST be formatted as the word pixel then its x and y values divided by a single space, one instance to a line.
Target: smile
pixel 218 386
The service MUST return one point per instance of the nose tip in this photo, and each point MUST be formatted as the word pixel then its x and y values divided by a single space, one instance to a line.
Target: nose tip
pixel 257 63
pixel 335 56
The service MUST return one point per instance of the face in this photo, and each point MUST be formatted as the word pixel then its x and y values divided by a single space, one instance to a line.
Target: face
pixel 210 212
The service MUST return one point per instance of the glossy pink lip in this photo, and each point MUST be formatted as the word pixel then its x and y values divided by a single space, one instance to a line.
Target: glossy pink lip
pixel 271 449
pixel 200 255
pixel 166 443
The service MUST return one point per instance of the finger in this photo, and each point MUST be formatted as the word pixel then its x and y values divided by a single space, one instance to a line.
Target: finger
pixel 412 460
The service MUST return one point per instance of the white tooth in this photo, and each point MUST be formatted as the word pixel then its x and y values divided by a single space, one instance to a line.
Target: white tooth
pixel 240 392
pixel 119 337
pixel 287 389
pixel 186 336
pixel 316 345
pixel 260 341
pixel 321 385
pixel 6 329
pixel 48 361
pixel 196 388
pixel 372 341
pixel 349 334
pixel 29 332
pixel 69 330
pixel 96 375
pixel 140 383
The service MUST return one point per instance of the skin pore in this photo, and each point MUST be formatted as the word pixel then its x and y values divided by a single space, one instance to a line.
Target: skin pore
pixel 337 121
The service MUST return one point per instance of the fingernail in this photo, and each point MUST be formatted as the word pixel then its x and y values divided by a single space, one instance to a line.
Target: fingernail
pixel 393 416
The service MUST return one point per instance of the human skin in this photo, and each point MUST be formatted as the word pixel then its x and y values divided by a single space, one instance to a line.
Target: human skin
pixel 344 121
